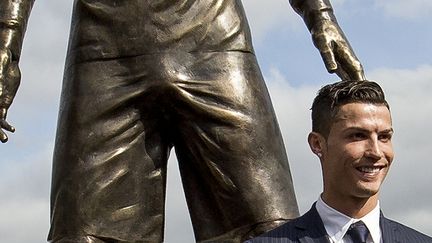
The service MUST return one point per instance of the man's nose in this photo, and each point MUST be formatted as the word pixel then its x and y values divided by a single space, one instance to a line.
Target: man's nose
pixel 373 150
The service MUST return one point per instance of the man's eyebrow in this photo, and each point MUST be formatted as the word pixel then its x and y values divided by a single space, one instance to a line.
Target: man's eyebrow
pixel 389 130
pixel 361 129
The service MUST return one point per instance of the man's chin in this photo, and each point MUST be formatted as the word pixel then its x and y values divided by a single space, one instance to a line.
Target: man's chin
pixel 367 191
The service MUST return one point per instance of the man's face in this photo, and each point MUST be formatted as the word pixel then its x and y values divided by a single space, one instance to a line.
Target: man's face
pixel 358 151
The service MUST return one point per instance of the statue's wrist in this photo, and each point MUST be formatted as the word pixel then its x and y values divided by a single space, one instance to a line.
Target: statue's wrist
pixel 14 13
pixel 13 21
pixel 11 39
pixel 315 18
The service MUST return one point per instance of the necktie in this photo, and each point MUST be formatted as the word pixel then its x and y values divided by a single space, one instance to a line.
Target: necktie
pixel 358 232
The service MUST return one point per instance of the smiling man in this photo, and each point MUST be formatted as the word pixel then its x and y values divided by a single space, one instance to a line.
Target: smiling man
pixel 352 137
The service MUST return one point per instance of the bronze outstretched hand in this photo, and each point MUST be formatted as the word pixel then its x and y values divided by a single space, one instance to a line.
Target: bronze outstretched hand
pixel 9 81
pixel 13 21
pixel 335 50
pixel 328 37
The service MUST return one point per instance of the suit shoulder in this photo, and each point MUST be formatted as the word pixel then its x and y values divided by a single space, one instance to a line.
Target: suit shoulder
pixel 308 227
pixel 410 234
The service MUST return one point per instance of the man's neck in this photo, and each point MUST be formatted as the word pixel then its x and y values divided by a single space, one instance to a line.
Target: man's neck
pixel 337 223
pixel 351 206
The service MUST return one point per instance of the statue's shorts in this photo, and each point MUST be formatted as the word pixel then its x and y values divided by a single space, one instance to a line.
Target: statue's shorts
pixel 119 119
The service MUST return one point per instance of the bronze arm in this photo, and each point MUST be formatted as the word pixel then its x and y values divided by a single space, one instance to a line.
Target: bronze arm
pixel 337 53
pixel 14 15
pixel 313 11
pixel 13 22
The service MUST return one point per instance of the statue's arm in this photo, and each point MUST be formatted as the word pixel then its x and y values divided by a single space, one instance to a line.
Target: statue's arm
pixel 14 15
pixel 337 54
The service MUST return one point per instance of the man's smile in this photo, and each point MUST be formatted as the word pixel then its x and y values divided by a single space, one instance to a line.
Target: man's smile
pixel 369 171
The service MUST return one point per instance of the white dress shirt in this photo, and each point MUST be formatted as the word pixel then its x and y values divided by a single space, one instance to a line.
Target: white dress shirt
pixel 336 223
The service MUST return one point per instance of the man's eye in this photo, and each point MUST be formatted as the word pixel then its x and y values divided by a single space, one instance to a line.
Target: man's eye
pixel 357 136
pixel 385 137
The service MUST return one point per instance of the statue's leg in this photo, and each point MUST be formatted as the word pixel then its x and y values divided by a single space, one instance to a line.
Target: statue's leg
pixel 109 169
pixel 232 158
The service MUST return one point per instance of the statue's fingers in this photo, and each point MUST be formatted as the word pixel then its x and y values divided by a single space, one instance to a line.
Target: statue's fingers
pixel 354 69
pixel 326 49
pixel 350 64
pixel 6 126
pixel 343 75
pixel 3 137
pixel 329 60
pixel 358 75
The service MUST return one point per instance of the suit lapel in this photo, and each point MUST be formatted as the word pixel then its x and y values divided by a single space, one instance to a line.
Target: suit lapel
pixel 312 228
pixel 389 231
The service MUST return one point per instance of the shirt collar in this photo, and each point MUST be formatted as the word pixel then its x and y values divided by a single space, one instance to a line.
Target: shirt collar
pixel 372 222
pixel 337 223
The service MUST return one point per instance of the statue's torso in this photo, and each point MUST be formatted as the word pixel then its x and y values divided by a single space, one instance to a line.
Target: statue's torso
pixel 116 28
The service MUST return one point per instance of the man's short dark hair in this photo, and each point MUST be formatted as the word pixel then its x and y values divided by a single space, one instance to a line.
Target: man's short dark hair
pixel 332 96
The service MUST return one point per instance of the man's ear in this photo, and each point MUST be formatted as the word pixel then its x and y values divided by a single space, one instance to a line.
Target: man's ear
pixel 316 143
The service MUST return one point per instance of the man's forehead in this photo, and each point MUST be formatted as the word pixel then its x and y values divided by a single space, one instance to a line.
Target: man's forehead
pixel 357 112
pixel 360 109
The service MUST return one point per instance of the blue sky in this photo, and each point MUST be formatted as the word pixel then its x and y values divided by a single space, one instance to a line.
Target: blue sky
pixel 391 37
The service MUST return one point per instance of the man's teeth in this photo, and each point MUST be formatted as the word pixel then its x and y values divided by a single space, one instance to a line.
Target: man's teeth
pixel 369 169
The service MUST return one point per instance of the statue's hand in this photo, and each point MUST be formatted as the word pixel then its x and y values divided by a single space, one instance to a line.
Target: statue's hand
pixel 335 50
pixel 10 77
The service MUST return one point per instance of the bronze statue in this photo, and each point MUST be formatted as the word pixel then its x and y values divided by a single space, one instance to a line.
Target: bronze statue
pixel 143 76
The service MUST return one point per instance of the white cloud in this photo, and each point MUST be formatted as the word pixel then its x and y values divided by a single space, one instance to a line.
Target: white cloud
pixel 24 221
pixel 337 2
pixel 24 204
pixel 44 54
pixel 414 9
pixel 270 15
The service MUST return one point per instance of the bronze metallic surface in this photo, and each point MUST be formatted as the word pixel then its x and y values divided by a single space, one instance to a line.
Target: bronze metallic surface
pixel 144 76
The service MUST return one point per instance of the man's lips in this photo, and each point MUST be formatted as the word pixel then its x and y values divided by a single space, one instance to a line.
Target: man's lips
pixel 369 171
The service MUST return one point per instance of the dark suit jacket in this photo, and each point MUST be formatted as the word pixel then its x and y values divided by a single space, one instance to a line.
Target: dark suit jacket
pixel 309 228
